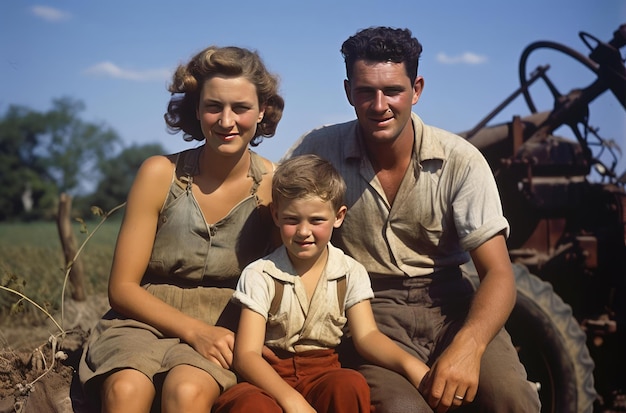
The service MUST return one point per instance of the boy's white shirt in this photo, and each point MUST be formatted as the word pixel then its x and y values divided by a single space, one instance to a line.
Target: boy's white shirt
pixel 299 325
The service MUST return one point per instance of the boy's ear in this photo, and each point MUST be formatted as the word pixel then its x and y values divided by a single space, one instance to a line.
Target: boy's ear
pixel 341 214
pixel 274 212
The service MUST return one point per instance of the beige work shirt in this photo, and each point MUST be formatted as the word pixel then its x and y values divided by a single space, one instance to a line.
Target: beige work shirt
pixel 447 204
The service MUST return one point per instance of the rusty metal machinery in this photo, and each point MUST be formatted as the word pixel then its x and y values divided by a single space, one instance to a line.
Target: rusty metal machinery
pixel 568 234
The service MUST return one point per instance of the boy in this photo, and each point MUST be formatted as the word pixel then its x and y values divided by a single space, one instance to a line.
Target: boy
pixel 293 303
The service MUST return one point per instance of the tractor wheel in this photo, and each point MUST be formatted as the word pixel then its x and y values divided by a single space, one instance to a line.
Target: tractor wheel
pixel 551 345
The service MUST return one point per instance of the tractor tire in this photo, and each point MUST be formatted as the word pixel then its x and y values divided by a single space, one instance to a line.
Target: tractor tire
pixel 551 344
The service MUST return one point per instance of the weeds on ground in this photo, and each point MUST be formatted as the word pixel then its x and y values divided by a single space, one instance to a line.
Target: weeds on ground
pixel 13 284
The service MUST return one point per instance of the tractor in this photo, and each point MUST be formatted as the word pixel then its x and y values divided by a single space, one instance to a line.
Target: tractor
pixel 566 207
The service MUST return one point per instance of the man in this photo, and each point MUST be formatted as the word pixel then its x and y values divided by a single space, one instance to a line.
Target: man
pixel 421 202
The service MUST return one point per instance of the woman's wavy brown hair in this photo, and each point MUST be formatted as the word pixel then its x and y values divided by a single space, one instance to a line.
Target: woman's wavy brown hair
pixel 188 80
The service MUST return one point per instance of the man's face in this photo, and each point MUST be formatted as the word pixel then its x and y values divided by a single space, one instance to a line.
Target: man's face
pixel 382 96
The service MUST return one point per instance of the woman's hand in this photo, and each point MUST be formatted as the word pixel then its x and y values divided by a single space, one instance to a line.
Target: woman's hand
pixel 216 344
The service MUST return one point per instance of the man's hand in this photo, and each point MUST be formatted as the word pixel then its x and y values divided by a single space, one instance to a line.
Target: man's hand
pixel 453 379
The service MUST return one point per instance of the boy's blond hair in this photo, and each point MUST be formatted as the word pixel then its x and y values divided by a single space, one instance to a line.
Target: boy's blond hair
pixel 307 176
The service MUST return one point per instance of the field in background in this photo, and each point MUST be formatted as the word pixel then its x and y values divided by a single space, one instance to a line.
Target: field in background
pixel 31 259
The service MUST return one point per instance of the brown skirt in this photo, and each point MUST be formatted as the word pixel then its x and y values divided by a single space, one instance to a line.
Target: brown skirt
pixel 118 343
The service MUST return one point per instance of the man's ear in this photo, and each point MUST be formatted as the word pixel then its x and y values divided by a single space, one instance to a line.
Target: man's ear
pixel 348 90
pixel 341 214
pixel 418 87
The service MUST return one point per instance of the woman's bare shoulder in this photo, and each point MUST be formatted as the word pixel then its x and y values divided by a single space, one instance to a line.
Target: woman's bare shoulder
pixel 154 177
pixel 157 168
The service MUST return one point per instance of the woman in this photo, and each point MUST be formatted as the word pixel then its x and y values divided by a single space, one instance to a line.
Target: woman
pixel 192 222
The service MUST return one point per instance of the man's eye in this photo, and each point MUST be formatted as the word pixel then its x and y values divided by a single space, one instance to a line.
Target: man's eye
pixel 365 93
pixel 393 92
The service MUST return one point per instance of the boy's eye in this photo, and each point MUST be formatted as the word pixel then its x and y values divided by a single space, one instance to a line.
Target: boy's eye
pixel 212 108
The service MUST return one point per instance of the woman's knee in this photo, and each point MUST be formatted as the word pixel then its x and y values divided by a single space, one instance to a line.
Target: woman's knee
pixel 187 388
pixel 186 391
pixel 126 388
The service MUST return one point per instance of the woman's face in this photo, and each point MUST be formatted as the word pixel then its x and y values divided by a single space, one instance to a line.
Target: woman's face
pixel 228 111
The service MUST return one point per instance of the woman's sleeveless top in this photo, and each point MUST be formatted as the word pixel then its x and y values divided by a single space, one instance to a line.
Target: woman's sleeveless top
pixel 189 251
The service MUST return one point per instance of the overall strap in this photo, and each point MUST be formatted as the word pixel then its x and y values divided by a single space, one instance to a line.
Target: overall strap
pixel 189 160
pixel 279 286
pixel 341 293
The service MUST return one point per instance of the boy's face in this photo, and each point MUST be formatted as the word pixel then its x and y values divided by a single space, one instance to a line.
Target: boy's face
pixel 306 226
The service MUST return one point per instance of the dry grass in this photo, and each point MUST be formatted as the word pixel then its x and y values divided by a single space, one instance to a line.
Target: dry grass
pixel 31 262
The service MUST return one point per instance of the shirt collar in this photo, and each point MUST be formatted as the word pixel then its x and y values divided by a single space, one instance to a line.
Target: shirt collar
pixel 279 266
pixel 425 140
pixel 429 146
pixel 352 142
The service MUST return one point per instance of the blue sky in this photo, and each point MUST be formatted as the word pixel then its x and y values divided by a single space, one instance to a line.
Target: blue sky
pixel 117 56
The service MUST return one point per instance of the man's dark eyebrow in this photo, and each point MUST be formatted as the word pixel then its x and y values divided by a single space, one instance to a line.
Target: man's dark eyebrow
pixel 385 89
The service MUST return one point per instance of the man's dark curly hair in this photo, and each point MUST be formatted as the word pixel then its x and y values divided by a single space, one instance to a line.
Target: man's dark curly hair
pixel 383 44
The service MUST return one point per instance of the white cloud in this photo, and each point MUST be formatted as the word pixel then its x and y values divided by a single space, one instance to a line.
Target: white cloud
pixel 108 69
pixel 465 58
pixel 50 14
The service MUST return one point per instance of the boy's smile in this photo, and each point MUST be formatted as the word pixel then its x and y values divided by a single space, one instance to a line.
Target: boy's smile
pixel 306 226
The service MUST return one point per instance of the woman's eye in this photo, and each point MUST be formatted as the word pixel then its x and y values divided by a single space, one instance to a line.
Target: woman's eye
pixel 241 109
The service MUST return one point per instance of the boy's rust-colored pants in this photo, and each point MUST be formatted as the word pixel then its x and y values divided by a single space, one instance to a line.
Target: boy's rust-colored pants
pixel 316 374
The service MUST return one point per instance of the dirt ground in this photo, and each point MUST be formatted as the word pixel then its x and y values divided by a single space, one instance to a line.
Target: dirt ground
pixel 30 382
pixel 31 379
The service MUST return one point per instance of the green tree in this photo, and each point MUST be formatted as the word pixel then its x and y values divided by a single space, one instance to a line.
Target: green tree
pixel 24 180
pixel 44 154
pixel 74 147
pixel 117 175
